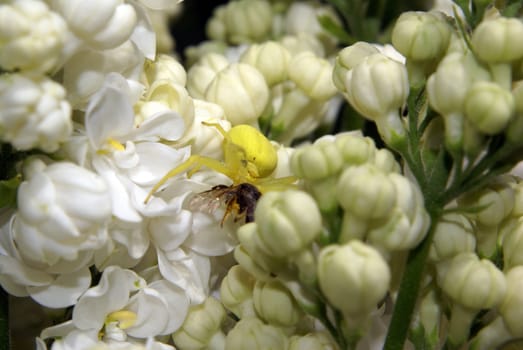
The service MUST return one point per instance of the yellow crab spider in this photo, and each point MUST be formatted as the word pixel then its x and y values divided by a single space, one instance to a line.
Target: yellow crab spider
pixel 248 155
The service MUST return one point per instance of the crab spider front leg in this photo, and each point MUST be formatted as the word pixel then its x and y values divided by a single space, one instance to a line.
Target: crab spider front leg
pixel 195 160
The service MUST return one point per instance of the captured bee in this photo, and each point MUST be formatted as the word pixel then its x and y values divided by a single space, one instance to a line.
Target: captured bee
pixel 249 160
pixel 239 200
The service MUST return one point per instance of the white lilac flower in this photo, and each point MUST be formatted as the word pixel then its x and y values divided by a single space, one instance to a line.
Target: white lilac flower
pixel 31 36
pixel 236 292
pixel 134 307
pixel 412 30
pixel 128 157
pixel 302 17
pixel 241 91
pixel 165 95
pixel 313 75
pixel 447 88
pixel 100 24
pixel 270 58
pixel 287 222
pixel 165 67
pixel 295 113
pixel 377 87
pixel 35 112
pixel 275 304
pixel 203 71
pixel 202 327
pixel 85 71
pixel 63 214
pixel 356 288
pixel 241 21
pixel 261 336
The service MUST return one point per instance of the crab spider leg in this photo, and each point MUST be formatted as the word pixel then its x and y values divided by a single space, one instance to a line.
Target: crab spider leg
pixel 276 183
pixel 196 160
pixel 220 129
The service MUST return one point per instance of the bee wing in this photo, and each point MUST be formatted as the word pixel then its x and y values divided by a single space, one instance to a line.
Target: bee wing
pixel 209 201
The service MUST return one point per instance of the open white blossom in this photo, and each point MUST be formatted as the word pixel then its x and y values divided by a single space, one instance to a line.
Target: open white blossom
pixel 122 307
pixel 35 112
pixel 63 214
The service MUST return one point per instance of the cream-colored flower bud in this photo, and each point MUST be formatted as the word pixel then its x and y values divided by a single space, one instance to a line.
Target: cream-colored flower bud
pixel 421 36
pixel 355 149
pixel 312 341
pixel 366 192
pixel 35 112
pixel 201 328
pixel 102 24
pixel 203 139
pixel 453 235
pixel 165 67
pixel 200 75
pixel 236 292
pixel 317 161
pixel 313 75
pixel 295 113
pixel 386 161
pixel 512 233
pixel 164 94
pixel 215 27
pixel 495 203
pixel 302 42
pixel 407 223
pixel 302 17
pixel 489 107
pixel 275 304
pixel 498 40
pixel 377 88
pixel 251 333
pixel 510 308
pixel 270 58
pixel 241 91
pixel 288 222
pixel 31 36
pixel 252 258
pixel 194 53
pixel 347 59
pixel 248 21
pixel 447 88
pixel 473 283
pixel 354 277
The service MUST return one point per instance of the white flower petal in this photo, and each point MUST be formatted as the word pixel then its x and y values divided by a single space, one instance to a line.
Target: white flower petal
pixel 169 232
pixel 152 318
pixel 111 294
pixel 14 271
pixel 156 160
pixel 143 35
pixel 177 304
pixel 186 270
pixel 63 291
pixel 168 125
pixel 121 203
pixel 208 237
pixel 109 113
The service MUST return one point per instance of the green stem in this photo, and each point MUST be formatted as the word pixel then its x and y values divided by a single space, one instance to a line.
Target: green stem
pixel 409 288
pixel 4 320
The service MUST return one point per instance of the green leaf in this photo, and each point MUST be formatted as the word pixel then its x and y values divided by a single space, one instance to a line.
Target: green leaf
pixel 421 340
pixel 512 10
pixel 8 190
pixel 335 29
